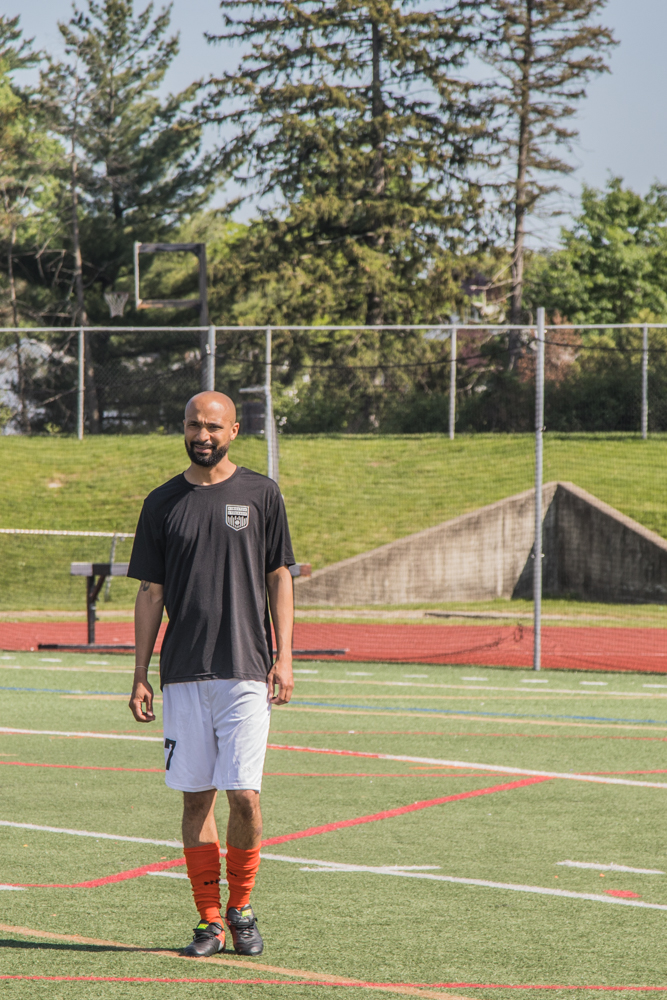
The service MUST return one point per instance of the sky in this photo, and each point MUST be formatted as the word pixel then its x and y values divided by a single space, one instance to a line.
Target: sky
pixel 622 123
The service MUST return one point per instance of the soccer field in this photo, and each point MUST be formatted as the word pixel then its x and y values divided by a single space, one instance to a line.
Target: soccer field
pixel 403 877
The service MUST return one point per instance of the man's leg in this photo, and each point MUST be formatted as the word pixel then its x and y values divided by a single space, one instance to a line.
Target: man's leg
pixel 244 827
pixel 202 856
pixel 199 818
pixel 244 838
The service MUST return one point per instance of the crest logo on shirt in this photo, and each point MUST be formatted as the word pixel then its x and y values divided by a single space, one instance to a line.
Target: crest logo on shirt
pixel 237 516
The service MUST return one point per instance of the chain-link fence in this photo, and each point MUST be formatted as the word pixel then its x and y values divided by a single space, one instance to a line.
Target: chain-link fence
pixel 429 540
pixel 336 379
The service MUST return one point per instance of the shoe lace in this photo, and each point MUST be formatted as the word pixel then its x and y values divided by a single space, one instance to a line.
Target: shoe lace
pixel 246 930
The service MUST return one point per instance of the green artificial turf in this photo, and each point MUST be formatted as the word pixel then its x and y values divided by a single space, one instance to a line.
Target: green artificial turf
pixel 372 927
pixel 344 494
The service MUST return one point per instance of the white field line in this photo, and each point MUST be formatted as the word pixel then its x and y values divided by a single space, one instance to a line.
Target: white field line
pixel 497 768
pixel 68 670
pixel 88 833
pixel 223 881
pixel 120 535
pixel 333 866
pixel 95 736
pixel 611 868
pixel 12 888
pixel 597 779
pixel 339 682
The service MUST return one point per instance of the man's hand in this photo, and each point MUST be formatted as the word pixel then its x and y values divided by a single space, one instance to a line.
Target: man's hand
pixel 142 694
pixel 281 674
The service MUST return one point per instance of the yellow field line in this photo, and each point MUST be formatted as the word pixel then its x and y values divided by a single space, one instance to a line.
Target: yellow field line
pixel 475 718
pixel 520 696
pixel 236 963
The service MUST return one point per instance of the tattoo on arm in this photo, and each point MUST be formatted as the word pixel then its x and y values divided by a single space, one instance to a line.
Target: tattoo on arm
pixel 145 585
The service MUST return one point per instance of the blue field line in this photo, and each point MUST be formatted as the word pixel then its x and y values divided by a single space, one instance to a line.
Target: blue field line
pixel 388 708
pixel 491 715
pixel 62 691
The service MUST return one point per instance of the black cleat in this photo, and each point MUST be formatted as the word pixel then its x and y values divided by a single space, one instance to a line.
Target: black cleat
pixel 209 939
pixel 243 925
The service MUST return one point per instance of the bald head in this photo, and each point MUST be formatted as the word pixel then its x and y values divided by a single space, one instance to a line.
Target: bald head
pixel 205 401
pixel 210 427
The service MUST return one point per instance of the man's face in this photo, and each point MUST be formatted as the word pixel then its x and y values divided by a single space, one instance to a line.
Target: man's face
pixel 210 428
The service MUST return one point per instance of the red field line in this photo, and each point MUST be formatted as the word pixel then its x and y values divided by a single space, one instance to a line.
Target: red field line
pixel 95 883
pixel 324 982
pixel 440 732
pixel 312 831
pixel 180 979
pixel 83 767
pixel 660 770
pixel 563 647
pixel 427 772
pixel 533 986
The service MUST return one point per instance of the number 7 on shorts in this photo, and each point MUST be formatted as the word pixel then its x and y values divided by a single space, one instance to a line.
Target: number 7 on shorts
pixel 169 745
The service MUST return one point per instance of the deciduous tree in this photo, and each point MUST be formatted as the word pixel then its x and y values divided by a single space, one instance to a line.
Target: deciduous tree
pixel 544 52
pixel 352 121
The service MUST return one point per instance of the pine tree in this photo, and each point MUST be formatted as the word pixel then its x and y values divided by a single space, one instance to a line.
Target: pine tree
pixel 15 120
pixel 135 169
pixel 24 154
pixel 544 52
pixel 351 118
pixel 134 163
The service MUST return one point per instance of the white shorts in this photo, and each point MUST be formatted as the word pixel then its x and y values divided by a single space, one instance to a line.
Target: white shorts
pixel 215 734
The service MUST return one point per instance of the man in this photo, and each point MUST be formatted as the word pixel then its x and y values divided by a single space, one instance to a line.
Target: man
pixel 209 545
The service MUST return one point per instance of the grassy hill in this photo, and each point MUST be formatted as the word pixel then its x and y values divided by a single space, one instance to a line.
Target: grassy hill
pixel 344 494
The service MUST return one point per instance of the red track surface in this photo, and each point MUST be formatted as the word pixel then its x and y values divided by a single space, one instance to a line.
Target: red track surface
pixel 563 648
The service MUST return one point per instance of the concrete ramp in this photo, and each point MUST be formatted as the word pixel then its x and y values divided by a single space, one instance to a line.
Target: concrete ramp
pixel 591 552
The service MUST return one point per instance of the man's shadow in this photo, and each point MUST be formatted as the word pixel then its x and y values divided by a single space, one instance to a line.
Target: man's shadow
pixel 73 946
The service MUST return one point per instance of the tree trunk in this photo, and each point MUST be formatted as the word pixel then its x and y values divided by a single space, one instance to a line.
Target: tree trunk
pixel 374 308
pixel 520 191
pixel 24 419
pixel 81 317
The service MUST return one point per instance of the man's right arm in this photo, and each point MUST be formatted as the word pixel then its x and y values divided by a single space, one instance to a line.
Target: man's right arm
pixel 148 609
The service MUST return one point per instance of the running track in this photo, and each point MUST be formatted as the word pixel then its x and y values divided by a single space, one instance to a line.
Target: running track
pixel 563 648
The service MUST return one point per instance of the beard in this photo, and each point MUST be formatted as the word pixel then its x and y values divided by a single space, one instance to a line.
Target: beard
pixel 207 461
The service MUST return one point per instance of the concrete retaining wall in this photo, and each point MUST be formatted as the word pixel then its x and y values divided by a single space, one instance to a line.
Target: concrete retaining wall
pixel 595 552
pixel 591 551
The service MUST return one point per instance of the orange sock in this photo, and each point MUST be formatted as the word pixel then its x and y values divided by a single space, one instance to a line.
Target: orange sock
pixel 203 864
pixel 241 870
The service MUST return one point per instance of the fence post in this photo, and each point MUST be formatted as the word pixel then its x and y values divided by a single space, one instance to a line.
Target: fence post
pixel 210 359
pixel 539 461
pixel 644 382
pixel 452 383
pixel 80 386
pixel 112 559
pixel 272 470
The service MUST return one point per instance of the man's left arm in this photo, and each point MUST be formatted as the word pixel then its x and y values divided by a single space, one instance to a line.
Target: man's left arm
pixel 281 604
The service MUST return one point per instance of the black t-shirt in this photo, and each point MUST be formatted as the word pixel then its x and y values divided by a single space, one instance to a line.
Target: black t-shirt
pixel 211 548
